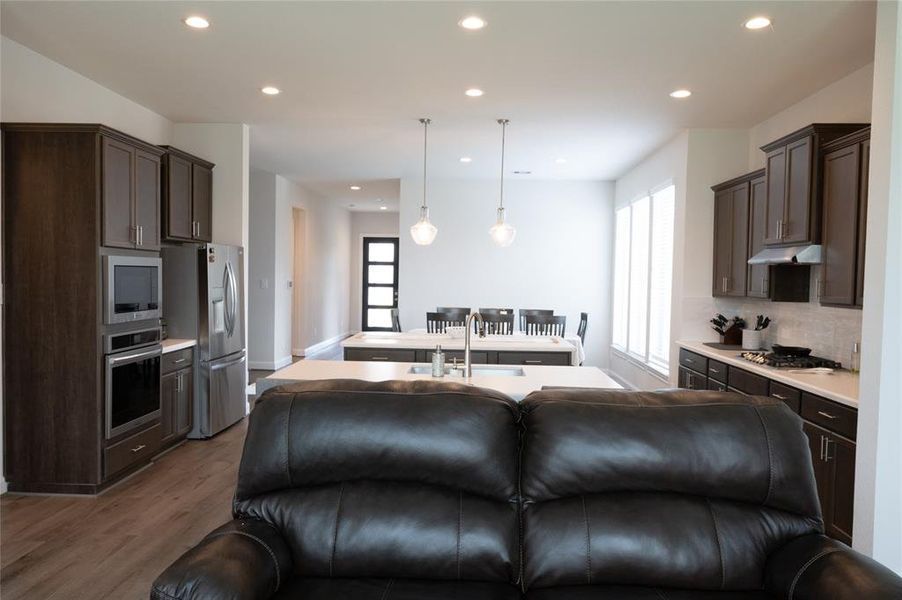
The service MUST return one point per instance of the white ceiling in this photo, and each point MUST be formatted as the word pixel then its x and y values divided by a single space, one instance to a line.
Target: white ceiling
pixel 586 81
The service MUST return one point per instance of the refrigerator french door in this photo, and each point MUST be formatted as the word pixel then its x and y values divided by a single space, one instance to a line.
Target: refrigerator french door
pixel 222 393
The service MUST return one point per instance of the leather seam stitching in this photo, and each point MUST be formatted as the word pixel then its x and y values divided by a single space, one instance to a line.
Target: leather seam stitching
pixel 260 541
pixel 811 561
pixel 460 516
pixel 288 442
pixel 723 573
pixel 335 533
pixel 770 457
pixel 387 589
pixel 588 542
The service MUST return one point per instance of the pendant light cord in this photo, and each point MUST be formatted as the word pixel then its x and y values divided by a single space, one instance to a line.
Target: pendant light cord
pixel 425 123
pixel 503 123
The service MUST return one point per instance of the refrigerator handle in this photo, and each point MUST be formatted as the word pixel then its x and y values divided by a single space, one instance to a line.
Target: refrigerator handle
pixel 233 292
pixel 227 298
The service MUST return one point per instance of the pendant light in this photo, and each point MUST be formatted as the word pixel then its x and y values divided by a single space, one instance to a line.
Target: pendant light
pixel 423 232
pixel 502 233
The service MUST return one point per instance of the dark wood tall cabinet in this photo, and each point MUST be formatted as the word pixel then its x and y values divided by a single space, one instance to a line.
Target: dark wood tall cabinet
pixel 187 182
pixel 731 241
pixel 793 183
pixel 67 191
pixel 758 285
pixel 843 234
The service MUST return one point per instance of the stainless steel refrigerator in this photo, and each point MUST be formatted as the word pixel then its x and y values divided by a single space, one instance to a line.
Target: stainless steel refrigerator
pixel 203 298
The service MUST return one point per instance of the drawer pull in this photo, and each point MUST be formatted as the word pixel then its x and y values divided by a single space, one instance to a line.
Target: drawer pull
pixel 688 360
pixel 532 362
pixel 378 358
pixel 181 360
pixel 713 370
pixel 778 396
pixel 139 448
pixel 827 415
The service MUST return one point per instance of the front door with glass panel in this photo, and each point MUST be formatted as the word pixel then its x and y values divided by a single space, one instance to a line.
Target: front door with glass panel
pixel 380 282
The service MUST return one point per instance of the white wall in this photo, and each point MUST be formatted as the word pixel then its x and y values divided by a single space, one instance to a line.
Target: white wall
pixel 365 224
pixel 261 273
pixel 847 100
pixel 37 89
pixel 561 258
pixel 878 478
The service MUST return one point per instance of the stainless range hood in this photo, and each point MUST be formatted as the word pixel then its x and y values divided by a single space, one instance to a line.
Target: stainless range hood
pixel 809 254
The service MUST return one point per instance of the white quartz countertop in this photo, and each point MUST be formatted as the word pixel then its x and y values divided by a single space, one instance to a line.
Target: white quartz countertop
pixel 420 340
pixel 535 376
pixel 840 386
pixel 174 344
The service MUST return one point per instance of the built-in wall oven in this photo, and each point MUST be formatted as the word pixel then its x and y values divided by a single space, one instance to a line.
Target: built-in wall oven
pixel 132 379
pixel 131 288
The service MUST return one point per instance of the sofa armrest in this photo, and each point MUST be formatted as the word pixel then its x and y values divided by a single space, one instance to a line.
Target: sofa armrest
pixel 243 559
pixel 814 567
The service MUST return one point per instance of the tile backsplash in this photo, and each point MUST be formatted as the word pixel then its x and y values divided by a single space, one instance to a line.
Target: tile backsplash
pixel 828 331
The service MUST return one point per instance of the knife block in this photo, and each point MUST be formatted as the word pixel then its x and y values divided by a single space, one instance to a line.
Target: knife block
pixel 733 336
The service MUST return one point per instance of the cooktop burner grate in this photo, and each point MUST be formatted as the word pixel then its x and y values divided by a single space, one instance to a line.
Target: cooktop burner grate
pixel 792 362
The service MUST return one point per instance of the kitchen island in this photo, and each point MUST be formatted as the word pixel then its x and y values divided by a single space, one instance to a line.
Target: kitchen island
pixel 418 346
pixel 515 381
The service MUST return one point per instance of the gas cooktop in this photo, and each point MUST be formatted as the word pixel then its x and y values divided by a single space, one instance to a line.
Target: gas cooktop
pixel 772 359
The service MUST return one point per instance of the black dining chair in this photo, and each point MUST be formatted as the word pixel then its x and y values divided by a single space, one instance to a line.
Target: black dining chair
pixel 396 320
pixel 525 312
pixel 499 322
pixel 581 330
pixel 546 325
pixel 436 322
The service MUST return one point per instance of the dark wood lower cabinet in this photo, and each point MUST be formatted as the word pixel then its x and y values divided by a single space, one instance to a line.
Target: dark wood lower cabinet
pixel 177 396
pixel 478 357
pixel 834 470
pixel 829 426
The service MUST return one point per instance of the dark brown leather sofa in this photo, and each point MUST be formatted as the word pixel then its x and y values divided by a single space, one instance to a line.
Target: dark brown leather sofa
pixel 421 490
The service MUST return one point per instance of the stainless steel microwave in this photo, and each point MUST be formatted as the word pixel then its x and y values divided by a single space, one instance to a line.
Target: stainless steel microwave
pixel 132 288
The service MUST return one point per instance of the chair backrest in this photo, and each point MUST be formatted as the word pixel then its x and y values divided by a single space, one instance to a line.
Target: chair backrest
pixel 407 479
pixel 436 322
pixel 497 322
pixel 546 325
pixel 496 311
pixel 525 312
pixel 395 320
pixel 583 323
pixel 453 309
pixel 669 489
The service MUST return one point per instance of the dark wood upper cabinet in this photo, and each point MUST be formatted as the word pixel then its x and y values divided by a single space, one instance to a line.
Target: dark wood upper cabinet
pixel 118 188
pixel 130 192
pixel 758 275
pixel 187 202
pixel 845 170
pixel 794 188
pixel 731 237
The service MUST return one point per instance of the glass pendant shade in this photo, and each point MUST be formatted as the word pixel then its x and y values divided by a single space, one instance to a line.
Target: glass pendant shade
pixel 502 233
pixel 423 232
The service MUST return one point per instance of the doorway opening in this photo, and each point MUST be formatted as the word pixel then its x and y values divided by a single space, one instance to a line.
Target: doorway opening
pixel 380 282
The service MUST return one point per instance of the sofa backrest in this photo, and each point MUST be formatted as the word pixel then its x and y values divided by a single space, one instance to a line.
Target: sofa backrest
pixel 672 489
pixel 390 479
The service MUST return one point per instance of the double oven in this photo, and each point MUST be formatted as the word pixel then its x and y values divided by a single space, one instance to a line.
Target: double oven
pixel 131 342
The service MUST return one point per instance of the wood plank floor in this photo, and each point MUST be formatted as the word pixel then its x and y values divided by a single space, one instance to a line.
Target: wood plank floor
pixel 115 544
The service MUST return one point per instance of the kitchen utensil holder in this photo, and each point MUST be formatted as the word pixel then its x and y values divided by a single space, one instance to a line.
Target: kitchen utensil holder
pixel 752 339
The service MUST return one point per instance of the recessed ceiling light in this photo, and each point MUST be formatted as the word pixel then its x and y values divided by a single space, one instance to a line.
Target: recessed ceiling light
pixel 560 161
pixel 680 94
pixel 466 159
pixel 355 188
pixel 474 92
pixel 197 22
pixel 270 90
pixel 383 208
pixel 472 22
pixel 757 23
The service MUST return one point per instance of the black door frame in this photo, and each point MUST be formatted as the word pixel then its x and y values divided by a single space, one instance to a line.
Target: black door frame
pixel 367 240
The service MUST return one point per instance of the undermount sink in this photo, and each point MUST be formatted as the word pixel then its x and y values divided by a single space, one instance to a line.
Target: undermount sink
pixel 478 370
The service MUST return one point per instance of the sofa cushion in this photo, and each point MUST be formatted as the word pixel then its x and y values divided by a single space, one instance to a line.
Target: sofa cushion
pixel 661 488
pixel 391 479
pixel 619 592
pixel 395 589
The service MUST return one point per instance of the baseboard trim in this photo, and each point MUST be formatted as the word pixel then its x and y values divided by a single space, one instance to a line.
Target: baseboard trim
pixel 325 344
pixel 262 365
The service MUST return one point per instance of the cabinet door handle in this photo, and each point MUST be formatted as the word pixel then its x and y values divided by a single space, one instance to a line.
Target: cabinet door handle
pixel 827 443
pixel 823 439
pixel 178 382
pixel 139 448
pixel 778 396
pixel 827 415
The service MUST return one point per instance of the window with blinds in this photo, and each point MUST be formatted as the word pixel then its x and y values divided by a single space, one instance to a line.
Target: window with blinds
pixel 643 273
